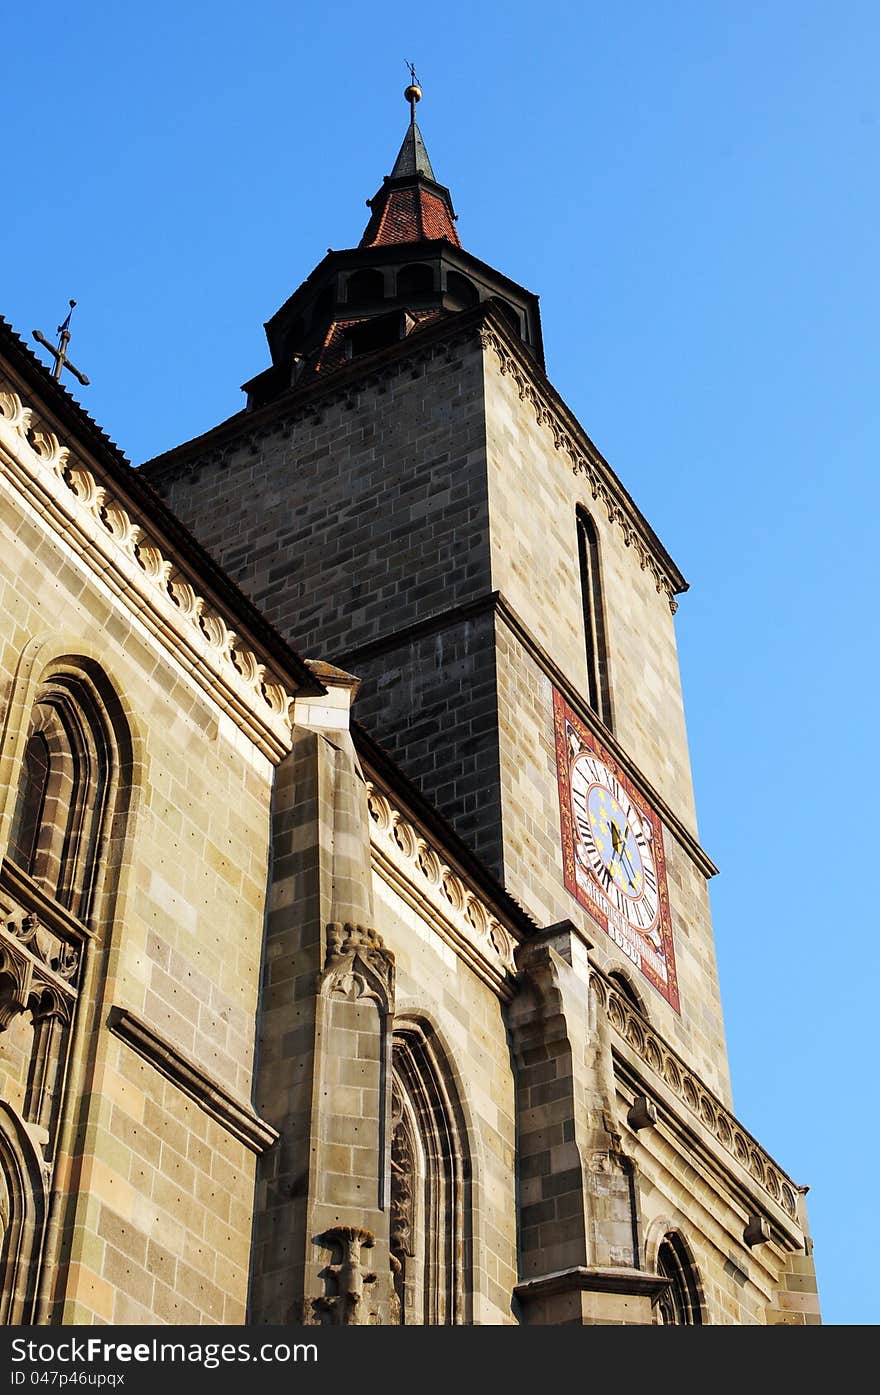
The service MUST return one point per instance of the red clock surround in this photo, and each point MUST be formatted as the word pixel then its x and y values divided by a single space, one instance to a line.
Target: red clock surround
pixel 585 770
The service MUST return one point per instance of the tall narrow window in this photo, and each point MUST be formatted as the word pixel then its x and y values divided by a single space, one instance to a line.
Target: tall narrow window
pixel 30 801
pixel 680 1304
pixel 430 1186
pixel 66 844
pixel 63 788
pixel 598 692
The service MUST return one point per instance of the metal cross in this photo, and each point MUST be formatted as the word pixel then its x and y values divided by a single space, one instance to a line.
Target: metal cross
pixel 60 353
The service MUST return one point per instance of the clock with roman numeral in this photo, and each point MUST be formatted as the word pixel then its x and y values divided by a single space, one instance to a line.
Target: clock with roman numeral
pixel 613 857
pixel 613 841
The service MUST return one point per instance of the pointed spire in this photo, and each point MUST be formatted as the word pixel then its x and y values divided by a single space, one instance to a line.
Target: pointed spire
pixel 411 206
pixel 412 157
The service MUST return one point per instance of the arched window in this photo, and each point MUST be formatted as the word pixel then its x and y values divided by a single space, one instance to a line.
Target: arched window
pixel 430 1185
pixel 31 800
pixel 365 287
pixel 679 1304
pixel 598 693
pixel 22 1215
pixel 461 293
pixel 68 767
pixel 71 798
pixel 71 795
pixel 415 280
pixel 508 313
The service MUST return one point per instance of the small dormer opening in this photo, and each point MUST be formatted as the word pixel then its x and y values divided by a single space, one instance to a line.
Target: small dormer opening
pixel 508 313
pixel 461 293
pixel 365 287
pixel 378 333
pixel 416 280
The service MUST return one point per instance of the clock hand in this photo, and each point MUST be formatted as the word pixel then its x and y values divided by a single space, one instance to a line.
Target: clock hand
pixel 630 870
pixel 609 865
pixel 625 858
pixel 618 843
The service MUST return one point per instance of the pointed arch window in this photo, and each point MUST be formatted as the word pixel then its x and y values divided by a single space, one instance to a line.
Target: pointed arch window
pixel 67 770
pixel 598 692
pixel 31 800
pixel 430 1185
pixel 70 801
pixel 679 1305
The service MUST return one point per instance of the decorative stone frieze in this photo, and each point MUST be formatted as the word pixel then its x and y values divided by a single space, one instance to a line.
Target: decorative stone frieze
pixel 666 1064
pixel 403 855
pixel 149 581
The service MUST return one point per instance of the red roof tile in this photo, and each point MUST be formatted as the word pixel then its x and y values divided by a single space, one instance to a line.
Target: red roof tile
pixel 409 215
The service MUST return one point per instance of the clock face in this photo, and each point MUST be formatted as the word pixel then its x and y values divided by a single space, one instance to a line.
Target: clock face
pixel 614 841
pixel 612 851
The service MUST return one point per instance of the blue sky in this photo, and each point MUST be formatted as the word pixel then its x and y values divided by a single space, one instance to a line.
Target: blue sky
pixel 692 189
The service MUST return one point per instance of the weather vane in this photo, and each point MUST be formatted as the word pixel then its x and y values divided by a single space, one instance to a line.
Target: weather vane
pixel 59 353
pixel 413 93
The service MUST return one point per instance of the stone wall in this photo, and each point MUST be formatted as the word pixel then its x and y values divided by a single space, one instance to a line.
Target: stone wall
pixel 534 492
pixel 357 517
pixel 533 497
pixel 354 520
pixel 156 1194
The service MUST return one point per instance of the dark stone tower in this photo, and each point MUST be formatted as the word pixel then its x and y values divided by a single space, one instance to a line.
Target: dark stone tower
pixel 407 496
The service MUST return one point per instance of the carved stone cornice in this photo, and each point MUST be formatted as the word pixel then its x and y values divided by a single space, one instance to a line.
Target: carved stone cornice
pixel 418 870
pixel 670 1071
pixel 149 583
pixel 585 460
pixel 236 1115
pixel 357 965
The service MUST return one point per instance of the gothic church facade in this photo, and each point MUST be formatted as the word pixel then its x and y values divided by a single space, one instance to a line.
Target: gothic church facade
pixel 376 985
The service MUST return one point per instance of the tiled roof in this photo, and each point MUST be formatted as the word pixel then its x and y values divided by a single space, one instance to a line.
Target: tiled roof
pixel 332 354
pixel 409 214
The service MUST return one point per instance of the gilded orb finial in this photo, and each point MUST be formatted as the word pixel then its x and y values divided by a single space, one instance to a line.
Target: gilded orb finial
pixel 413 93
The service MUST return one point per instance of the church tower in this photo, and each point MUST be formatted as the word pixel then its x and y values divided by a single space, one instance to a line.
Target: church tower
pixel 407 496
pixel 407 487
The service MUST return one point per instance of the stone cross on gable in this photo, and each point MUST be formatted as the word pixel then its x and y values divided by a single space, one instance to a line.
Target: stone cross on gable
pixel 59 352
